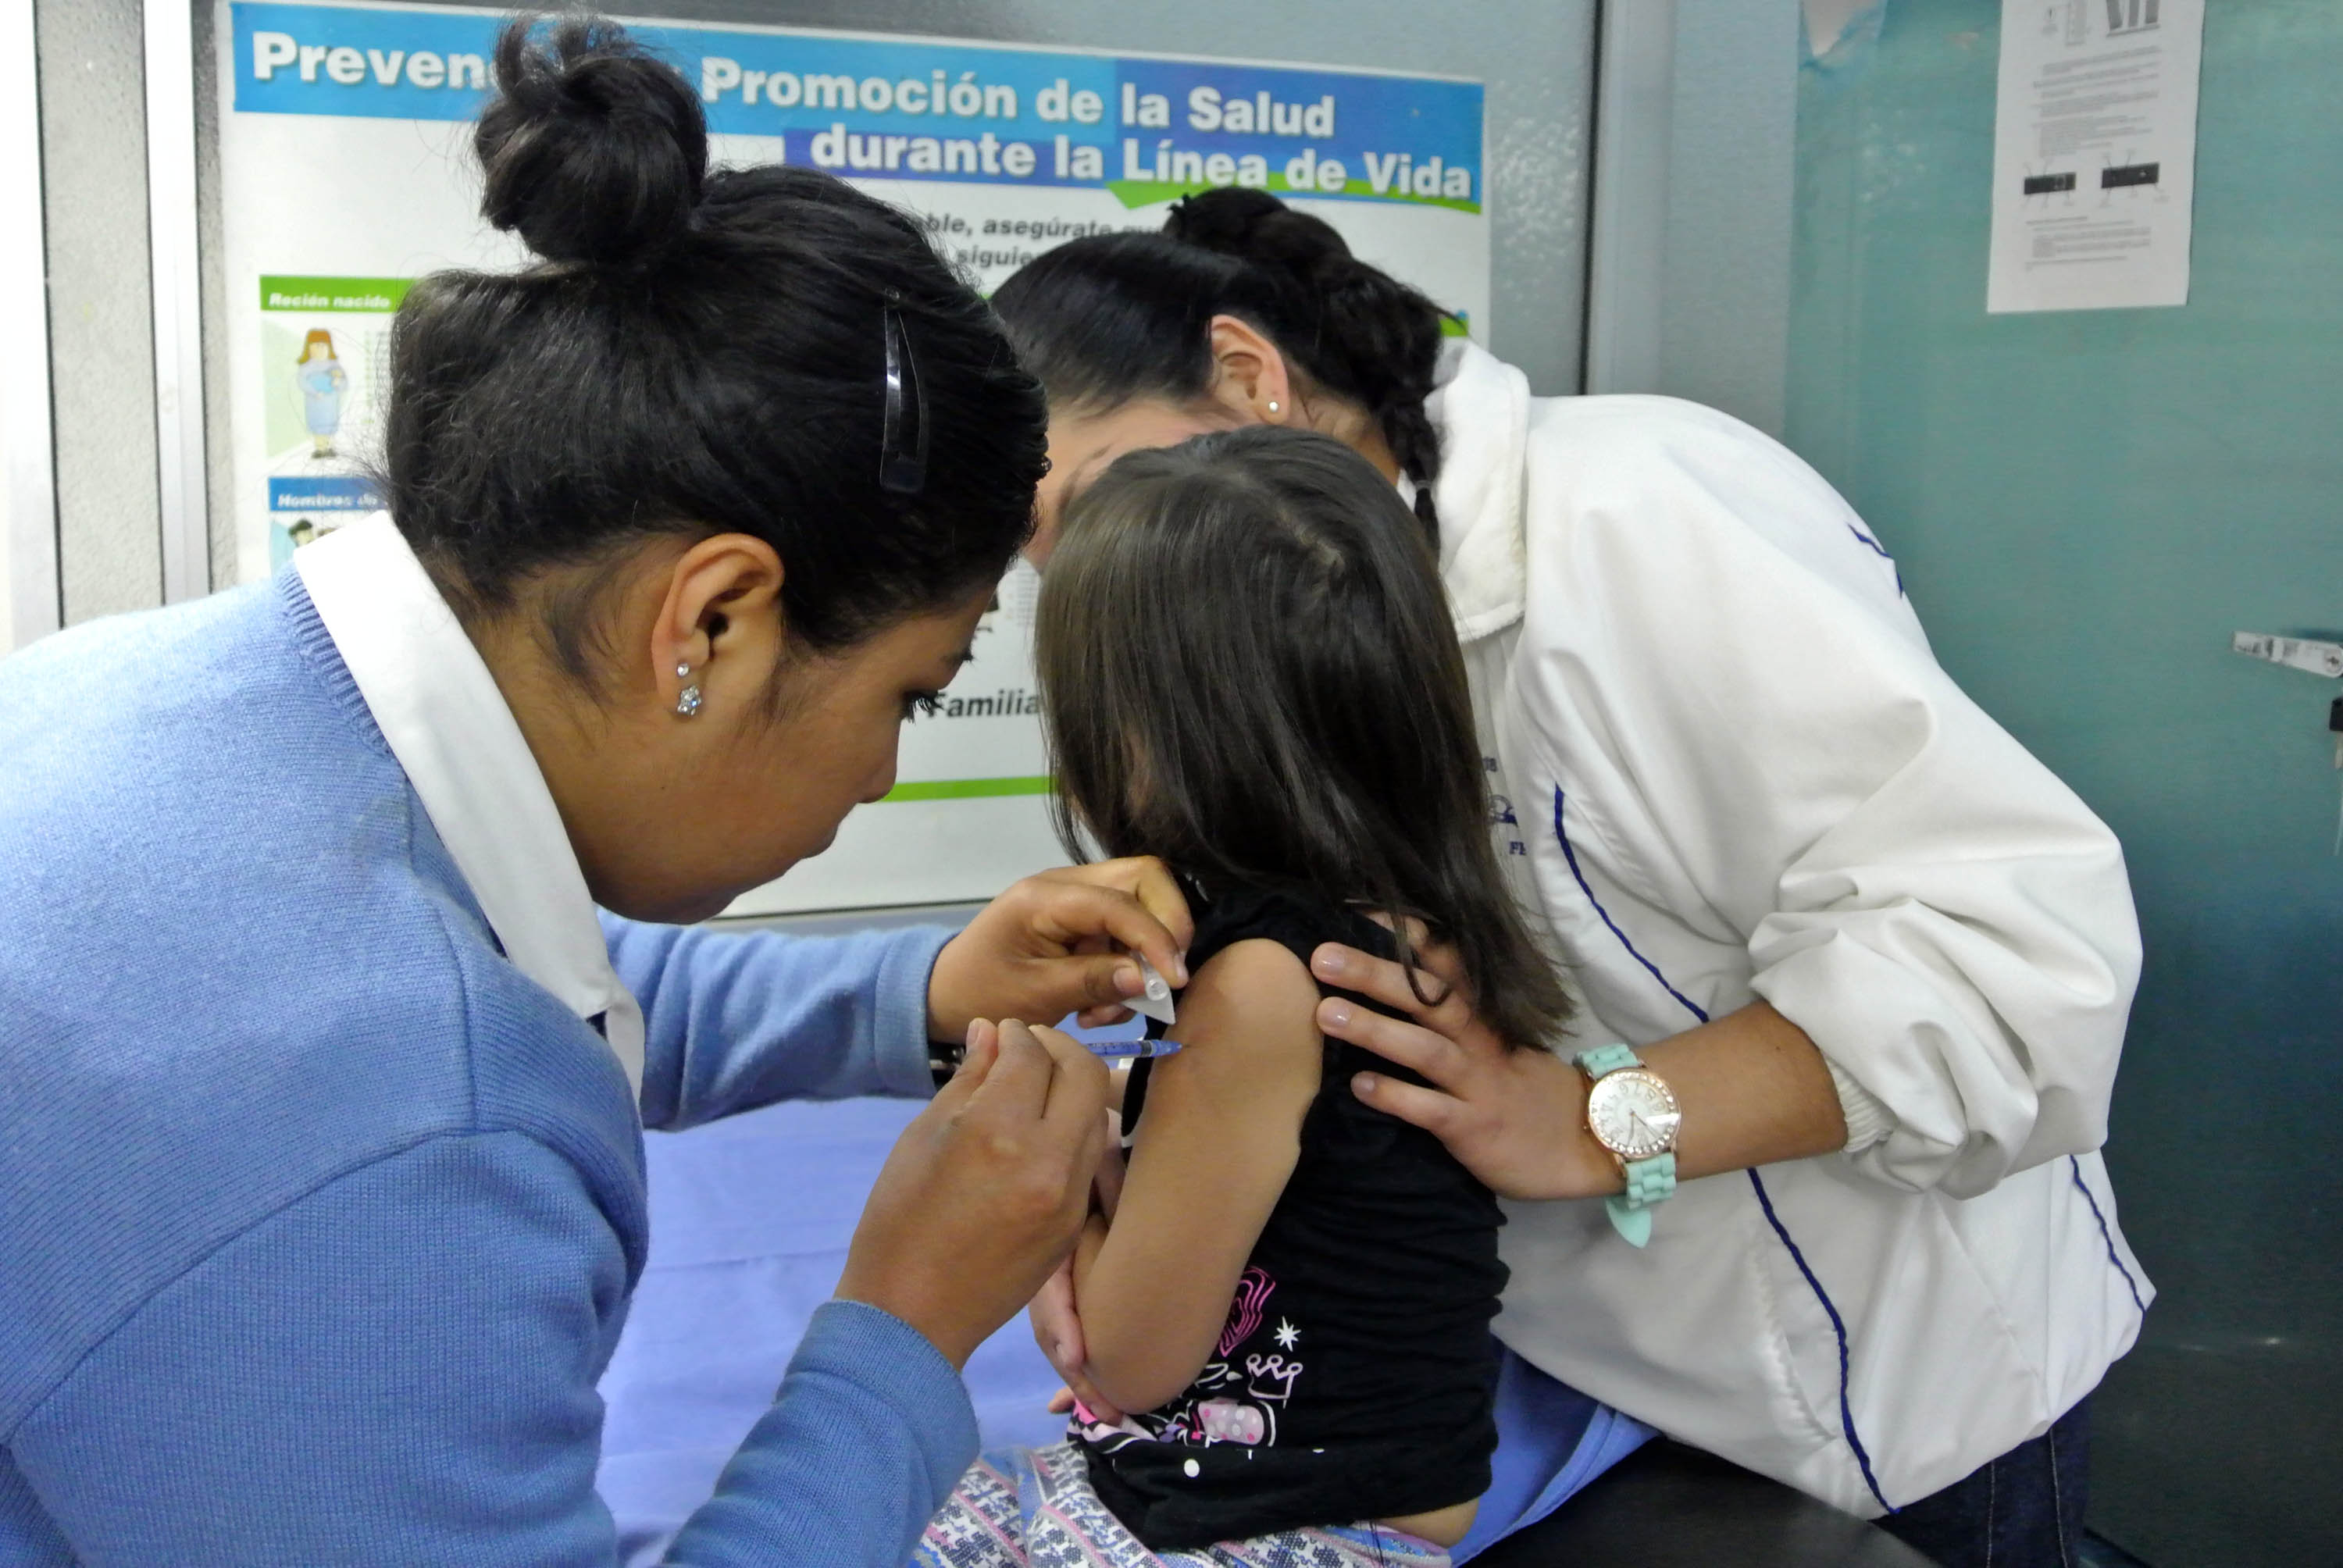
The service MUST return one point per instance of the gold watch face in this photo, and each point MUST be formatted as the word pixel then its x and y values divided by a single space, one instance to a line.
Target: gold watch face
pixel 1633 1113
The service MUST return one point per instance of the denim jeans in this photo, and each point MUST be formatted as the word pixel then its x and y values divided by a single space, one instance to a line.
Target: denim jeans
pixel 2024 1510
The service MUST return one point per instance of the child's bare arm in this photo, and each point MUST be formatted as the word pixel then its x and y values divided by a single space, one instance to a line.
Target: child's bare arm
pixel 1217 1141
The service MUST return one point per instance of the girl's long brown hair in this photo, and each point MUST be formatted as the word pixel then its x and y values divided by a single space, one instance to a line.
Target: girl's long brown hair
pixel 1248 668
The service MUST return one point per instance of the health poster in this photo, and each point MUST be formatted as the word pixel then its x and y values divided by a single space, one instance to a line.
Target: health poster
pixel 345 175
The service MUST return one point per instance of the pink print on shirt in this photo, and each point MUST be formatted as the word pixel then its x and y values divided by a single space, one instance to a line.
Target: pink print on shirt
pixel 1226 1404
pixel 1253 1289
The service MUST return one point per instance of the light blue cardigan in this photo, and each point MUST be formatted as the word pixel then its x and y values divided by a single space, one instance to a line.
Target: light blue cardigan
pixel 319 1220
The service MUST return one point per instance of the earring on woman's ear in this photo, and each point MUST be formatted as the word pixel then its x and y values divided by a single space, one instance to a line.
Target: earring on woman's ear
pixel 686 701
pixel 1272 405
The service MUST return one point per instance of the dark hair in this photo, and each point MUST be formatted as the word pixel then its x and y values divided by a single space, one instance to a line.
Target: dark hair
pixel 698 354
pixel 1109 318
pixel 1248 668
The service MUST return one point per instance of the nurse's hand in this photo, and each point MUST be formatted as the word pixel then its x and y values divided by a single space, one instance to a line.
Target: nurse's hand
pixel 1515 1119
pixel 986 1190
pixel 1060 942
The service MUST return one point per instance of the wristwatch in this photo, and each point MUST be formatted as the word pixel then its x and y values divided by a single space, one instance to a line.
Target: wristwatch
pixel 1633 1114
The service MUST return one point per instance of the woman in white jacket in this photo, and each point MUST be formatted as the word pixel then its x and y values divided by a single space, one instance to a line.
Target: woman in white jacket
pixel 1879 955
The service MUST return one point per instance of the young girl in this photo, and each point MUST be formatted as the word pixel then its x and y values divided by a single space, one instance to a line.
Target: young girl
pixel 1249 671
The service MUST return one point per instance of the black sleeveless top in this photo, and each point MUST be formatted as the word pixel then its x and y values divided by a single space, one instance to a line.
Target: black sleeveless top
pixel 1357 1375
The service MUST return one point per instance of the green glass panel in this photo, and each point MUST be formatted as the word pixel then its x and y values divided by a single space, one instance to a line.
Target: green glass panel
pixel 2085 506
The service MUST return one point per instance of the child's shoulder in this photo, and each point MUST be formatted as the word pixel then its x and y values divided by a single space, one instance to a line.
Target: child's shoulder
pixel 1297 919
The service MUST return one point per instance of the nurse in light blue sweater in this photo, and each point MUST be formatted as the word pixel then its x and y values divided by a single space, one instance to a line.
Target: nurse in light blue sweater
pixel 321 1078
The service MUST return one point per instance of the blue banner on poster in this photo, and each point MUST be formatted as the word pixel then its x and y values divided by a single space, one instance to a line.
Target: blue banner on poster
pixel 878 108
pixel 324 494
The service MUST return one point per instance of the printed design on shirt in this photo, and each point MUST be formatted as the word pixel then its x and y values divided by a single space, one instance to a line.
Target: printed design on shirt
pixel 1237 1397
pixel 1254 1288
pixel 1503 825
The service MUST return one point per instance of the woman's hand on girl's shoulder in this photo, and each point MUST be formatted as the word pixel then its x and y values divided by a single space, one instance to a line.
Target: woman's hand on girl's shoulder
pixel 1515 1119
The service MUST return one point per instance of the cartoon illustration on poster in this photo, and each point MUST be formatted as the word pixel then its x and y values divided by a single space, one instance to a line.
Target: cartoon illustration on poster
pixel 345 148
pixel 323 343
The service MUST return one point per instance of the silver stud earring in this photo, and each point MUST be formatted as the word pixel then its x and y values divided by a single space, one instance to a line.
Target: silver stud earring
pixel 687 702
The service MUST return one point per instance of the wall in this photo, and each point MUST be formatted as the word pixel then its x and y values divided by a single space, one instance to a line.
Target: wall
pixel 28 522
pixel 101 304
pixel 1693 159
pixel 1725 271
pixel 2085 506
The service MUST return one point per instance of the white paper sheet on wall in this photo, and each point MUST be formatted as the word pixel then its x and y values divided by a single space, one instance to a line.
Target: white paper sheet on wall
pixel 2094 154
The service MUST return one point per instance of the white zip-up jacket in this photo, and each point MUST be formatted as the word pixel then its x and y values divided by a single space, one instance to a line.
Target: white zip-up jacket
pixel 1730 770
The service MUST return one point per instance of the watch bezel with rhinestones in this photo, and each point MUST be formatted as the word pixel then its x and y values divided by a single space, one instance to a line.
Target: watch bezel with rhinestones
pixel 1604 1098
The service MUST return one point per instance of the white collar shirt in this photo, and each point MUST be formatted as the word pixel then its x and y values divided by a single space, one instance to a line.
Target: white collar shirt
pixel 447 724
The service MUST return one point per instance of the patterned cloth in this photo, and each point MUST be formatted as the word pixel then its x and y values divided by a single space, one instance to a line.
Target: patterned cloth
pixel 1033 1508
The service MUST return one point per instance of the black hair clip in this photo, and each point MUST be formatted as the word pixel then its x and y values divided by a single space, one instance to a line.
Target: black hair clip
pixel 902 459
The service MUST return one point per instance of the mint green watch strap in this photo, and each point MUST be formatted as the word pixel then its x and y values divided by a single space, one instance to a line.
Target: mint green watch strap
pixel 1605 1059
pixel 1650 1180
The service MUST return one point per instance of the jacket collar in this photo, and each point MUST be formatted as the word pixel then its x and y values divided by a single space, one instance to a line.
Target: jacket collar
pixel 1481 409
pixel 438 707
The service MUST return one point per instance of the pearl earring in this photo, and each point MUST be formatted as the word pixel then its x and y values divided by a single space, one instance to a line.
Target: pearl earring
pixel 1272 405
pixel 687 702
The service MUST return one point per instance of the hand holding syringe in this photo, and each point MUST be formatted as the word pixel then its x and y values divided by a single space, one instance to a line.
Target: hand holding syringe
pixel 1154 1002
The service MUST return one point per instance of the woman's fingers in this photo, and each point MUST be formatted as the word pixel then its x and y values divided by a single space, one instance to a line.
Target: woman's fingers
pixel 1442 1005
pixel 1106 980
pixel 1418 934
pixel 1121 914
pixel 1441 1114
pixel 1059 942
pixel 1150 881
pixel 1018 1082
pixel 1078 1085
pixel 975 1063
pixel 1433 1054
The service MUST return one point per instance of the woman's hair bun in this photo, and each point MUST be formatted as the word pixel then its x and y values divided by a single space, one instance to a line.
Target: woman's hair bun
pixel 1255 225
pixel 594 149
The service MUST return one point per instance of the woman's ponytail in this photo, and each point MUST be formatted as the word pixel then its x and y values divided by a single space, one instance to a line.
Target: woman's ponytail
pixel 1373 338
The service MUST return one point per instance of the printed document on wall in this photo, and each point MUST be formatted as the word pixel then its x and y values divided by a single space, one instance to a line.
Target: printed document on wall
pixel 2094 154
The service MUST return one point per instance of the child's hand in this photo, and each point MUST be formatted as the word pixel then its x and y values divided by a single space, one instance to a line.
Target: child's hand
pixel 1060 942
pixel 1057 1324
